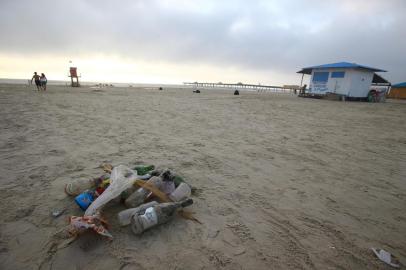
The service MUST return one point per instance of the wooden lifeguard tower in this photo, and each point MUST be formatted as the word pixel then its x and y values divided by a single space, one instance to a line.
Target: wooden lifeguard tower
pixel 74 75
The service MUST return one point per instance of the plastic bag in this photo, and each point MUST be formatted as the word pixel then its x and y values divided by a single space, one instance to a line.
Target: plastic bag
pixel 121 178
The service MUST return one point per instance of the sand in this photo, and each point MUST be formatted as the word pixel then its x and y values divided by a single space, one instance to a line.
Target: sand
pixel 283 182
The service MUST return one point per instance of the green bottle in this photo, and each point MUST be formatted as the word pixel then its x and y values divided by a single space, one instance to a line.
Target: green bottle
pixel 143 169
pixel 177 180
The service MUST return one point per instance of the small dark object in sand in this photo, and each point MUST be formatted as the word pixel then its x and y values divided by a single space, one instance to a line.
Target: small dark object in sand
pixel 196 91
pixel 156 172
pixel 236 93
pixel 167 175
pixel 160 88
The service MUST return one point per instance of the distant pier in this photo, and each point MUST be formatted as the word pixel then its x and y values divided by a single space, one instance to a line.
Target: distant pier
pixel 257 87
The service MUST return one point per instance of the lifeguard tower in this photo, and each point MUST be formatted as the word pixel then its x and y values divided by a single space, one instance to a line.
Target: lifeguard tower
pixel 74 75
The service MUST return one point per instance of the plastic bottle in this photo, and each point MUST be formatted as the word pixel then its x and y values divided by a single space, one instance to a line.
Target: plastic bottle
pixel 177 179
pixel 168 187
pixel 126 193
pixel 78 186
pixel 139 196
pixel 124 217
pixel 156 215
pixel 181 192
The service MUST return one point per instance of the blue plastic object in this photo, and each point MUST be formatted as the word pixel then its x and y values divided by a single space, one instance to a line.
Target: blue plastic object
pixel 84 200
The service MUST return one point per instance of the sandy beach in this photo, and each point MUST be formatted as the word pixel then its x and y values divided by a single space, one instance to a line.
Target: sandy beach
pixel 282 182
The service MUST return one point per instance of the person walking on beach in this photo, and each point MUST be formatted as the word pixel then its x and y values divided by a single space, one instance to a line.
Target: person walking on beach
pixel 43 81
pixel 36 77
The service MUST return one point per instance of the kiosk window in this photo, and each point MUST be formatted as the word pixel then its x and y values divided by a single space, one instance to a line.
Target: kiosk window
pixel 338 74
pixel 320 76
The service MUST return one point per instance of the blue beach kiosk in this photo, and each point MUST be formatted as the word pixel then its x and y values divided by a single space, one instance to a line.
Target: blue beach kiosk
pixel 343 79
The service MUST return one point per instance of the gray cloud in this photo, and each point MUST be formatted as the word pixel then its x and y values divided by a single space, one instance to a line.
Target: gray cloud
pixel 252 35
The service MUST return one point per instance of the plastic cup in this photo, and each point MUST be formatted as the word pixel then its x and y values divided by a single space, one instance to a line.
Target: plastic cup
pixel 181 192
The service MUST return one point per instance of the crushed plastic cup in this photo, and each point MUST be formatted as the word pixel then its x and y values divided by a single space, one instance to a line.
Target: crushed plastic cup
pixel 181 192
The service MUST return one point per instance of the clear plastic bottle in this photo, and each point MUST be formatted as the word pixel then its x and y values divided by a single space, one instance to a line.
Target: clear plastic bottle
pixel 78 186
pixel 138 197
pixel 156 215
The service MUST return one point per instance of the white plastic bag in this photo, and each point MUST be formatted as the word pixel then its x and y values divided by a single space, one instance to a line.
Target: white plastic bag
pixel 121 178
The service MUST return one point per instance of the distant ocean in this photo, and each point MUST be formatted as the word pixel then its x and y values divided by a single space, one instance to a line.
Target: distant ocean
pixel 144 85
pixel 56 82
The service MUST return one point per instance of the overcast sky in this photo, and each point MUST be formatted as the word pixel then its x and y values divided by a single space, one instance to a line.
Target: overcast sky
pixel 175 41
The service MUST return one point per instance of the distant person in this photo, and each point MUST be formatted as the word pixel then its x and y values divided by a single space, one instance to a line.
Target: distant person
pixel 303 90
pixel 43 81
pixel 36 77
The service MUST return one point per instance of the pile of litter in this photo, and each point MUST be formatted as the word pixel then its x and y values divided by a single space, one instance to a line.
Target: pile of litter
pixel 152 196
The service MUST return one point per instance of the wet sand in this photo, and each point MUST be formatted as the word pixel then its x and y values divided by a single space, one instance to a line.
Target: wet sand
pixel 283 182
